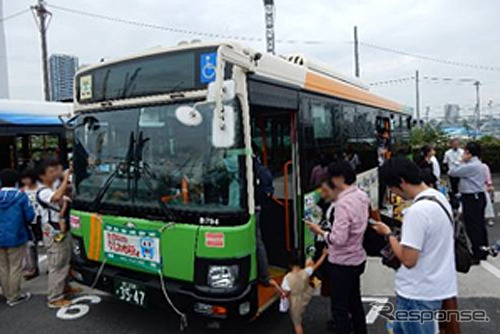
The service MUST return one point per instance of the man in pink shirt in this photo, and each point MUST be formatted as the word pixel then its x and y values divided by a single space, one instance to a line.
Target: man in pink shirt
pixel 347 256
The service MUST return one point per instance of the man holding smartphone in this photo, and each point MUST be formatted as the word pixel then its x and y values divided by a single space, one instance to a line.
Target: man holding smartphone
pixel 427 276
pixel 347 257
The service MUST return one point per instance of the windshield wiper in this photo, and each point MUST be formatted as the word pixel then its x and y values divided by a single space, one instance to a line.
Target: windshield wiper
pixel 140 167
pixel 107 184
pixel 127 84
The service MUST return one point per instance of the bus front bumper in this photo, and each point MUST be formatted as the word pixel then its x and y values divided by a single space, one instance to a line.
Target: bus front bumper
pixel 183 294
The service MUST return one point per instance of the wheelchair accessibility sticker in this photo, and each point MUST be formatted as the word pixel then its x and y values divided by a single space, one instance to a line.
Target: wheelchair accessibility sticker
pixel 208 63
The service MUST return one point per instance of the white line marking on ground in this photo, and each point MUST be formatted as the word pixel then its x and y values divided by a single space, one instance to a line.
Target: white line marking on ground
pixel 491 268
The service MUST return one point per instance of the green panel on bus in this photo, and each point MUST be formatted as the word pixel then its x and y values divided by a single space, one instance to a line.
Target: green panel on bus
pixel 228 243
pixel 176 244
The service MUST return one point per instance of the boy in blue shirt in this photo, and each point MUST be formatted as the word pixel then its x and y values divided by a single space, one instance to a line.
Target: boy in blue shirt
pixel 16 213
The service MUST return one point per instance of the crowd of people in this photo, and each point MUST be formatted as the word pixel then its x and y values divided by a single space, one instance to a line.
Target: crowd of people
pixel 424 247
pixel 34 209
pixel 470 189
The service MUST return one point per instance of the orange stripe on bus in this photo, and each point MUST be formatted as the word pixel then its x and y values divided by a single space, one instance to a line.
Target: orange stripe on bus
pixel 97 253
pixel 185 190
pixel 320 83
pixel 92 236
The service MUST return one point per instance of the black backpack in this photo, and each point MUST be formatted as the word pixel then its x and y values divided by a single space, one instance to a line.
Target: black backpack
pixel 463 249
pixel 49 207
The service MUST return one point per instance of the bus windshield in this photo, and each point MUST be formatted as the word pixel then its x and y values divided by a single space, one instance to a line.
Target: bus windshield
pixel 144 155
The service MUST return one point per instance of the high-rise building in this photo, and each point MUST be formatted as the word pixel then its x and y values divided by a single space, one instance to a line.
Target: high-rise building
pixel 4 80
pixel 451 113
pixel 62 69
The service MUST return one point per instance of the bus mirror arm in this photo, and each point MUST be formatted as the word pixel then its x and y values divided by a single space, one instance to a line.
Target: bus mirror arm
pixel 69 124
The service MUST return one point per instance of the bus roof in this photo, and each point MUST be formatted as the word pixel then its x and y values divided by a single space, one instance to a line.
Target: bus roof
pixel 295 70
pixel 33 113
pixel 320 78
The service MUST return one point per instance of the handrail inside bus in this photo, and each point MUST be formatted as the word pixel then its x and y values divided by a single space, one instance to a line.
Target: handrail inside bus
pixel 287 212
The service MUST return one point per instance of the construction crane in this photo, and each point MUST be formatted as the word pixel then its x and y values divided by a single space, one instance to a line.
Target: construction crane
pixel 269 12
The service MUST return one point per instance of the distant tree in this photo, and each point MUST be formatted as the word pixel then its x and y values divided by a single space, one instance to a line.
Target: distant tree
pixel 428 135
pixel 489 140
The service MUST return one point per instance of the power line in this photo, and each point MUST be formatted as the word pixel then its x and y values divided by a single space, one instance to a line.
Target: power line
pixel 258 39
pixel 429 58
pixel 392 81
pixel 427 79
pixel 21 12
pixel 175 30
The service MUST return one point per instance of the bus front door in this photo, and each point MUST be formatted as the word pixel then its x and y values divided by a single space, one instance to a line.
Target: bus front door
pixel 274 133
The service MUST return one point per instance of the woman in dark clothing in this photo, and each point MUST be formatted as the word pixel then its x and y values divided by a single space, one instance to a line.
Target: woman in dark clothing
pixel 328 196
pixel 426 167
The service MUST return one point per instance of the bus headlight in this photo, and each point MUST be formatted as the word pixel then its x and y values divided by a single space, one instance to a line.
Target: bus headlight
pixel 222 276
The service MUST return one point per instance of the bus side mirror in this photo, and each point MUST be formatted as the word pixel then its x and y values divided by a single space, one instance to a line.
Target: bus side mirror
pixel 68 124
pixel 189 116
pixel 228 91
pixel 223 127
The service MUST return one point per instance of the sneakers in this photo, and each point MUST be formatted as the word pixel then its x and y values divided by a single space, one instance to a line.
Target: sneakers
pixel 72 290
pixel 58 303
pixel 31 275
pixel 22 298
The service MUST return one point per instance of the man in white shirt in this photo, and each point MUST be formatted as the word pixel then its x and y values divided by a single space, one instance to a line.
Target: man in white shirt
pixel 451 157
pixel 58 250
pixel 436 169
pixel 427 276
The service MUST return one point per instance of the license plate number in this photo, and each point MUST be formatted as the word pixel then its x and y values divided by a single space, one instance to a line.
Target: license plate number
pixel 131 292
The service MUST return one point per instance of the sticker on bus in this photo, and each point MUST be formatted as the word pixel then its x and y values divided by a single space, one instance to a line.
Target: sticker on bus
pixel 208 62
pixel 132 247
pixel 74 222
pixel 85 87
pixel 214 240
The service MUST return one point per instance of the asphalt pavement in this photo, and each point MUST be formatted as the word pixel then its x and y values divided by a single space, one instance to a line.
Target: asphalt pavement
pixel 478 289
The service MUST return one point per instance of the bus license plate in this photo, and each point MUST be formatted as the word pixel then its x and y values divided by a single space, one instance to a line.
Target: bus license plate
pixel 130 292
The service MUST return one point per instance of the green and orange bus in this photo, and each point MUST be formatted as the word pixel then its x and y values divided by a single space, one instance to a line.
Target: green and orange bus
pixel 164 177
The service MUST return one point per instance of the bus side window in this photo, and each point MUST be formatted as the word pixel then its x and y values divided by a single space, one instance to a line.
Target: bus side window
pixel 359 134
pixel 322 135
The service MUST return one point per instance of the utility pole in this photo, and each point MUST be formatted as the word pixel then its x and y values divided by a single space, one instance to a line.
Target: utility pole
pixel 356 52
pixel 417 98
pixel 269 12
pixel 42 18
pixel 478 106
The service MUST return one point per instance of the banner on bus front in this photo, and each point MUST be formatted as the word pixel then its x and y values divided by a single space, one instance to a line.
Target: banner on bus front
pixel 133 248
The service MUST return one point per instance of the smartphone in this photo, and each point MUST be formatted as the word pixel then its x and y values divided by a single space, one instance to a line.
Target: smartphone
pixel 372 221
